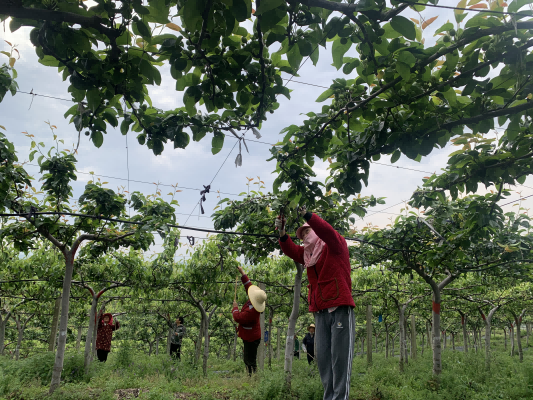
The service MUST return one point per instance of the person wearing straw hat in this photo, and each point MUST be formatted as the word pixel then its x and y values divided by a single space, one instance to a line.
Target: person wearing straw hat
pixel 309 343
pixel 249 329
pixel 327 261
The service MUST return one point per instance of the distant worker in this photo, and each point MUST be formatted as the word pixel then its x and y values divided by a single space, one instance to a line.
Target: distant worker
pixel 177 332
pixel 104 335
pixel 327 261
pixel 309 343
pixel 248 319
pixel 296 347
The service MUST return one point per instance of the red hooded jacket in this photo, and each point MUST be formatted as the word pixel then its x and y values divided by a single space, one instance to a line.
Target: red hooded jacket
pixel 330 284
pixel 105 333
pixel 248 318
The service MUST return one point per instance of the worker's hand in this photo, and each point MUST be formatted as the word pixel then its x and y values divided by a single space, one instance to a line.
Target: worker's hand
pixel 280 226
pixel 235 304
pixel 240 270
pixel 176 334
pixel 302 210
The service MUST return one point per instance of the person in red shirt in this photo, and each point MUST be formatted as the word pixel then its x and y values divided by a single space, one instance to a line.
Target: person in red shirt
pixel 249 329
pixel 104 336
pixel 326 258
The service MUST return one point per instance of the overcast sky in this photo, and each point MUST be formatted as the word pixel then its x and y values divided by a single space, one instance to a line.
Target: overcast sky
pixel 196 166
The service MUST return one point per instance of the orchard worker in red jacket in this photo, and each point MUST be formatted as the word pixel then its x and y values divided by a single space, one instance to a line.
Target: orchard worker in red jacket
pixel 248 319
pixel 325 256
pixel 104 336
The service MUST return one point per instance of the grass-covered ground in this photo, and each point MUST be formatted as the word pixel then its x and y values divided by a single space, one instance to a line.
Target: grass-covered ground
pixel 132 375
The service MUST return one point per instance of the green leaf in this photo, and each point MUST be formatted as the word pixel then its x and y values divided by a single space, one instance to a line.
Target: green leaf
pixel 395 156
pixel 521 179
pixel 444 28
pixel 338 52
pixel 217 142
pixel 407 58
pixel 192 95
pixel 181 139
pixel 325 95
pixel 97 138
pixel 404 70
pixel 241 9
pixel 404 26
pixel 305 47
pixel 294 57
pixel 192 13
pixel 143 29
pixel 451 96
pixel 267 5
pixel 93 99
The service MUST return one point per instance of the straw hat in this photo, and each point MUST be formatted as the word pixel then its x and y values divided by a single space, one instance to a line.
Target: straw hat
pixel 311 326
pixel 257 297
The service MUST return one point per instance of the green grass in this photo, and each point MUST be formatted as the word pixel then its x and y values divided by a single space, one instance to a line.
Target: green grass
pixel 464 378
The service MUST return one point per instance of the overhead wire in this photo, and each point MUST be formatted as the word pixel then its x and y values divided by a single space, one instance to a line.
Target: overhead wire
pixel 480 10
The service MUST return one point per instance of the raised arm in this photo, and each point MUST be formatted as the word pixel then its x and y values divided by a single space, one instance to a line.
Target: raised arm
pixel 325 231
pixel 292 250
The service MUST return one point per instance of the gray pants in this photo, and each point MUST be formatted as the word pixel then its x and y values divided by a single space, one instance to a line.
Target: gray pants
pixel 334 348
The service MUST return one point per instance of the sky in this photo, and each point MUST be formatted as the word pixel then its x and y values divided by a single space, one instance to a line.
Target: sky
pixel 191 168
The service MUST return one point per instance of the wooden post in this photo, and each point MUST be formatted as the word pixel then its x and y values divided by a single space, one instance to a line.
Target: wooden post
pixel 369 334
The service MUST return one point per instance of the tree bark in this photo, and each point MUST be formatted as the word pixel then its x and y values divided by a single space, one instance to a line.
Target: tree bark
pixel 437 356
pixel 289 344
pixel 511 334
pixel 403 352
pixel 65 303
pixel 413 337
pixel 199 342
pixel 53 330
pixel 465 333
pixel 505 338
pixel 386 341
pixel 278 346
pixel 261 349
pixel 78 339
pixel 270 336
pixel 369 334
pixel 453 340
pixel 90 333
pixel 235 337
pixel 518 322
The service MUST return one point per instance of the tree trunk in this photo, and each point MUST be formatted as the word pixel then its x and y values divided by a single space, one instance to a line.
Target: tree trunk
pixel 505 338
pixel 53 330
pixel 150 348
pixel 289 345
pixel 465 334
pixel 169 340
pixel 413 337
pixel 206 337
pixel 157 346
pixel 270 336
pixel 401 323
pixel 369 334
pixel 386 341
pixel 428 333
pixel 278 346
pixel 3 324
pixel 88 354
pixel 511 330
pixel 63 324
pixel 200 339
pixel 518 322
pixel 235 337
pixel 453 341
pixel 437 356
pixel 78 339
pixel 423 345
pixel 261 349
